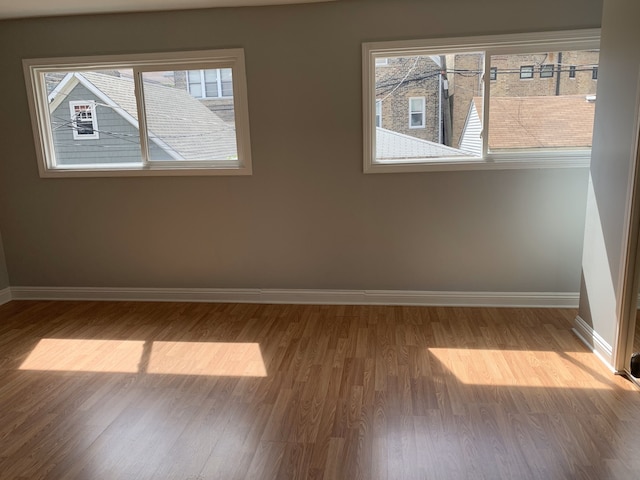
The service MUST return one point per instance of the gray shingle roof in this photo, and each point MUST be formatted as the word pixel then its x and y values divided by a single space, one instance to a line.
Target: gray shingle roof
pixel 397 146
pixel 173 116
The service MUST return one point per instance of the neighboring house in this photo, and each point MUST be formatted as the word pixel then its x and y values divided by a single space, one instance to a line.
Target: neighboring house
pixel 94 119
pixel 540 74
pixel 464 75
pixel 540 122
pixel 429 97
pixel 548 74
pixel 214 89
pixel 394 146
pixel 407 96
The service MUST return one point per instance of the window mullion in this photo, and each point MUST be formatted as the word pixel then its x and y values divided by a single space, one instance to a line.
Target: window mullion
pixel 485 103
pixel 142 117
pixel 203 84
pixel 219 82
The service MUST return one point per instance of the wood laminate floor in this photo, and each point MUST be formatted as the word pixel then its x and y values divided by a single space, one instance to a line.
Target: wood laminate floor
pixel 94 391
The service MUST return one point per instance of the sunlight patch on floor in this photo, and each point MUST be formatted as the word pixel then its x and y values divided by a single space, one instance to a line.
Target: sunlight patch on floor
pixel 138 356
pixel 521 368
pixel 84 355
pixel 207 358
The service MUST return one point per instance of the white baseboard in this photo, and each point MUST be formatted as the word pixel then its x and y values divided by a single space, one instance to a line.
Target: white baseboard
pixel 325 297
pixel 5 296
pixel 594 341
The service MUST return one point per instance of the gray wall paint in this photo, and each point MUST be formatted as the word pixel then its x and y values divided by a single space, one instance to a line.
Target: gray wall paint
pixel 4 277
pixel 308 217
pixel 611 166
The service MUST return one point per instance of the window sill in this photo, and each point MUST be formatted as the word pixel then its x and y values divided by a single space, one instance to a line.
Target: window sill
pixel 136 170
pixel 496 162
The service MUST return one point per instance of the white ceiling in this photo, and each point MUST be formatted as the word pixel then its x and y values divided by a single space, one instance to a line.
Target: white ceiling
pixel 43 8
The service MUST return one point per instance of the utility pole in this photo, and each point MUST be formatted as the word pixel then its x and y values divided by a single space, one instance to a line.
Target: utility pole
pixel 445 104
pixel 558 76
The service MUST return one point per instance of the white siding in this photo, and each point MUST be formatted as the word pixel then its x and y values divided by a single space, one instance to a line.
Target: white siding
pixel 471 141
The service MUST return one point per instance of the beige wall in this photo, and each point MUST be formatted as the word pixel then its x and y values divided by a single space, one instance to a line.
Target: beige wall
pixel 308 217
pixel 611 168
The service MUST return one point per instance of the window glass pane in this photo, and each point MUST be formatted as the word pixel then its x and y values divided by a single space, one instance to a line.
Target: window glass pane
pixel 447 87
pixel 83 115
pixel 211 75
pixel 181 127
pixel 195 83
pixel 554 110
pixel 227 82
pixel 196 89
pixel 92 116
pixel 526 71
pixel 416 105
pixel 416 112
pixel 416 120
pixel 211 83
pixel 546 71
pixel 211 89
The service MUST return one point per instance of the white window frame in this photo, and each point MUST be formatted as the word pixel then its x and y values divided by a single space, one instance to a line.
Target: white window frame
pixel 74 120
pixel 422 112
pixel 586 39
pixel 203 85
pixel 378 121
pixel 35 69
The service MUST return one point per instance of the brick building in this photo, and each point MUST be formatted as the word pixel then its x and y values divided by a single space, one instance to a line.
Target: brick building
pixel 436 92
pixel 464 75
pixel 408 96
pixel 548 74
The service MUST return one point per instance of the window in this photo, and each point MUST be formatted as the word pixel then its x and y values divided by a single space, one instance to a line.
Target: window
pixel 572 71
pixel 215 83
pixel 416 112
pixel 526 71
pixel 84 123
pixel 546 71
pixel 594 73
pixel 382 61
pixel 137 115
pixel 459 118
pixel 378 113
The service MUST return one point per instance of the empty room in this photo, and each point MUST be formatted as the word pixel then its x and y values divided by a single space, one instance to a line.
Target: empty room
pixel 348 239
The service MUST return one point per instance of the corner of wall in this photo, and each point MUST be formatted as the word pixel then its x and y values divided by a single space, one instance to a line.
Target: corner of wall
pixel 4 276
pixel 608 238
